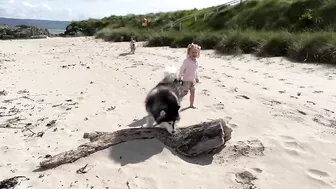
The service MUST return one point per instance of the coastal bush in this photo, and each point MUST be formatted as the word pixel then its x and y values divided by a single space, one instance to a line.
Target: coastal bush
pixel 303 47
pixel 271 15
pixel 301 30
pixel 122 34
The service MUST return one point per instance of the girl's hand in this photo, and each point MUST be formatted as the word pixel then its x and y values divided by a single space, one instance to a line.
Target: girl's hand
pixel 197 80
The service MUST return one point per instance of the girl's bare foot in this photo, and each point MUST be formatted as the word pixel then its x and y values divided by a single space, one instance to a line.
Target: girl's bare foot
pixel 192 106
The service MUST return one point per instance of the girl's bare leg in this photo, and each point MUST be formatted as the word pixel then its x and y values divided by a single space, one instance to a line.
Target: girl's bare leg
pixel 192 98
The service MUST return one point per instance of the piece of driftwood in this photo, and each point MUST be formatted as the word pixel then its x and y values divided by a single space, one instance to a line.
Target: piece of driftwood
pixel 189 141
pixel 12 182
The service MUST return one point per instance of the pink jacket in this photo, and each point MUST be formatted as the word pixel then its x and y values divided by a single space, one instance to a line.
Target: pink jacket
pixel 188 70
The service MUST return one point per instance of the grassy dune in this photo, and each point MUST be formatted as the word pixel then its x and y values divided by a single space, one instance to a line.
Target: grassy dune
pixel 302 30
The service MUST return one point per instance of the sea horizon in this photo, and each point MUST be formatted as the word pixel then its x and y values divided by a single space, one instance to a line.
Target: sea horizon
pixel 56 31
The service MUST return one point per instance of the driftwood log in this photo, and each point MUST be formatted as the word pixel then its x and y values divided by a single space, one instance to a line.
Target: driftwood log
pixel 189 141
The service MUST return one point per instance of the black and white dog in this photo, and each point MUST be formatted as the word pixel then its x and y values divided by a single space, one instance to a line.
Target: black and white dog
pixel 163 101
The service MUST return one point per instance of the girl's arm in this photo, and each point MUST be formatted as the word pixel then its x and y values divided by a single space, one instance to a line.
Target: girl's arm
pixel 182 68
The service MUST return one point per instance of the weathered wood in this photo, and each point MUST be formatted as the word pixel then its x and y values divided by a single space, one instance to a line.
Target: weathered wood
pixel 12 182
pixel 188 141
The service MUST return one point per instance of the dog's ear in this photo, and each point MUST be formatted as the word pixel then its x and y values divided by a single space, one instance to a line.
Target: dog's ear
pixel 162 113
pixel 178 107
pixel 162 116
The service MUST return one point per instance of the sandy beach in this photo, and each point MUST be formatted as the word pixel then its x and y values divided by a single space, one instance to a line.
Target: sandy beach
pixel 282 115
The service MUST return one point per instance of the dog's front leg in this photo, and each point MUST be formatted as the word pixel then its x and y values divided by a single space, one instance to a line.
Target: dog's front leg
pixel 150 121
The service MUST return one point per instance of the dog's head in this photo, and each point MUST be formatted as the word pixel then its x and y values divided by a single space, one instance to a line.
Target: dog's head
pixel 169 114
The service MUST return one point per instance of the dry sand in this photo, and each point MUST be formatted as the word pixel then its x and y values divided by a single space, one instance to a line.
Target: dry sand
pixel 282 115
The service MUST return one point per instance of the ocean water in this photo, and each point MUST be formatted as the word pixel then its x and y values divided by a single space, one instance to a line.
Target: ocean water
pixel 56 31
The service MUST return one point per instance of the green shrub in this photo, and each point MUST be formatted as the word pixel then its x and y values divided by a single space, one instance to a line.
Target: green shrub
pixel 239 43
pixel 319 47
pixel 277 45
pixel 160 40
pixel 122 34
pixel 303 47
pixel 182 41
pixel 208 40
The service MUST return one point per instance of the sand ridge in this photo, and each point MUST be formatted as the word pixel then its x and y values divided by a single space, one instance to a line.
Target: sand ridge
pixel 282 114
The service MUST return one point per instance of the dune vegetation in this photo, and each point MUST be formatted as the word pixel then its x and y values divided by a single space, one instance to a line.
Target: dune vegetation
pixel 302 30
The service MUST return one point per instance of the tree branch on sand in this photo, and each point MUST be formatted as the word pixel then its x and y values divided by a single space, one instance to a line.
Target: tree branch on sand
pixel 191 141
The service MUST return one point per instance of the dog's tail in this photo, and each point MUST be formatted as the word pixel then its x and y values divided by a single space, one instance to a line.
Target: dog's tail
pixel 170 70
pixel 170 73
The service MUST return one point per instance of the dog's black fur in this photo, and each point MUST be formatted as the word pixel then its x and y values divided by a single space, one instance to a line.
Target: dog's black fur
pixel 165 96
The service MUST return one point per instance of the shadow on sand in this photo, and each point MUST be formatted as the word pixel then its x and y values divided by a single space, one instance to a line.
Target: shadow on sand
pixel 125 54
pixel 137 151
pixel 138 123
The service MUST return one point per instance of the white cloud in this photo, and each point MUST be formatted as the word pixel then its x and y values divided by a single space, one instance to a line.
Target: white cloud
pixel 46 7
pixel 83 9
pixel 26 4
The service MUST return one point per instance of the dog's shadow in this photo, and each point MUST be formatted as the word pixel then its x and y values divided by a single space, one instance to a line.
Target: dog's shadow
pixel 138 123
pixel 136 151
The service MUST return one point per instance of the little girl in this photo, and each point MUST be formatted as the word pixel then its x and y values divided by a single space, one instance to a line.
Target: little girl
pixel 188 71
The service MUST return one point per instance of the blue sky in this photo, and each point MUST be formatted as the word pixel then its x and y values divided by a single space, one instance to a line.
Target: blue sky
pixel 83 9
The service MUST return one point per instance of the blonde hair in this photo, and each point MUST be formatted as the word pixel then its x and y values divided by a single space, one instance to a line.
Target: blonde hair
pixel 193 45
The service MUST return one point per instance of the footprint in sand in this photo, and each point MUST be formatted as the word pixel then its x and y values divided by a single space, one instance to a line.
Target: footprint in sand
pixel 205 92
pixel 3 93
pixel 243 97
pixel 311 102
pixel 249 148
pixel 265 88
pixel 219 106
pixel 258 170
pixel 333 159
pixel 270 76
pixel 226 75
pixel 216 107
pixel 217 81
pixel 253 71
pixel 233 90
pixel 302 112
pixel 317 173
pixel 245 178
pixel 319 176
pixel 228 118
pixel 295 97
pixel 328 111
pixel 282 92
pixel 271 102
pixel 318 92
pixel 293 148
pixel 206 77
pixel 282 79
